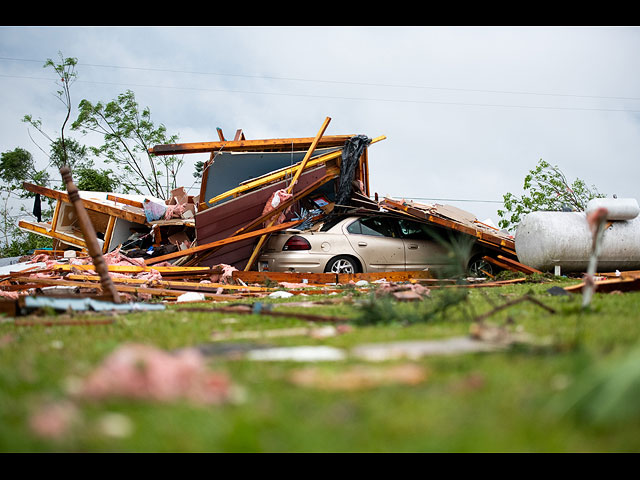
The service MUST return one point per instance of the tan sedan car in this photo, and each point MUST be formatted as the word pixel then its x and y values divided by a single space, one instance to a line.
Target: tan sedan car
pixel 364 244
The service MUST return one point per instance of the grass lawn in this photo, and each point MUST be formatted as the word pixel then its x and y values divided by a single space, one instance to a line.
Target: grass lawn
pixel 572 385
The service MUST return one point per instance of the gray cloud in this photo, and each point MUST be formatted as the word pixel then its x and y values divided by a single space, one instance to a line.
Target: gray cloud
pixel 467 111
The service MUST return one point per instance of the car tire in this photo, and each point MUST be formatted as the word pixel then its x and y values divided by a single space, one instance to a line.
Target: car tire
pixel 476 265
pixel 342 264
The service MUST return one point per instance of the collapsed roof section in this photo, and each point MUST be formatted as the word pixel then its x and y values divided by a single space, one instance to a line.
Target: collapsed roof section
pixel 242 179
pixel 115 219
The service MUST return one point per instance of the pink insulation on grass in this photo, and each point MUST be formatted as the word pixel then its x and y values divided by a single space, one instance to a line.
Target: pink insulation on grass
pixel 143 372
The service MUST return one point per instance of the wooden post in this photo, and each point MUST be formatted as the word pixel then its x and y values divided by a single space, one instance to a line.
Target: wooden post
pixel 90 238
pixel 302 166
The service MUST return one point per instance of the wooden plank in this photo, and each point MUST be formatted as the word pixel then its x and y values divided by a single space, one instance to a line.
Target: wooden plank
pixel 108 234
pixel 291 277
pixel 629 284
pixel 169 283
pixel 248 145
pixel 40 230
pixel 305 160
pixel 519 266
pixel 398 276
pixel 140 269
pixel 225 241
pixel 162 292
pixel 500 264
pixel 126 201
pixel 220 134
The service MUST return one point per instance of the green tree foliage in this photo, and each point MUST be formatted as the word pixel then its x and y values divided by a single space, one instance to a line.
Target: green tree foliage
pixel 128 134
pixel 546 188
pixel 16 167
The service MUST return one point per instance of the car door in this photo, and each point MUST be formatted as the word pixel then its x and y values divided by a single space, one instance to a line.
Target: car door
pixel 422 248
pixel 378 243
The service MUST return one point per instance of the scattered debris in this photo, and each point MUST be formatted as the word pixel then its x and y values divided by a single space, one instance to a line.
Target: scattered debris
pixel 359 377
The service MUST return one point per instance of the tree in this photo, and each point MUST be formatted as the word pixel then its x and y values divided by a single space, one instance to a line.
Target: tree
pixel 16 167
pixel 546 188
pixel 128 134
pixel 66 151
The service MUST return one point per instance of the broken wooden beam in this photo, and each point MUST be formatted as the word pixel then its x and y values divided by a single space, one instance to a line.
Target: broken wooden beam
pixel 248 145
pixel 224 241
pixel 159 292
pixel 302 165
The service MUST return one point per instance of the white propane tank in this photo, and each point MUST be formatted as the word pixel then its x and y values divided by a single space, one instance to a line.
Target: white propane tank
pixel 546 239
pixel 617 208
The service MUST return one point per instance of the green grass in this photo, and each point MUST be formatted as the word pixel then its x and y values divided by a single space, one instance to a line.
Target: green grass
pixel 574 391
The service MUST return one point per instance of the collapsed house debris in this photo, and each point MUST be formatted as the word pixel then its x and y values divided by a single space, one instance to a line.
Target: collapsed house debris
pixel 131 223
pixel 209 243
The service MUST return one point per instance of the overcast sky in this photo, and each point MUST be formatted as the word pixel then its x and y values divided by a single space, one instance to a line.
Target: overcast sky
pixel 467 111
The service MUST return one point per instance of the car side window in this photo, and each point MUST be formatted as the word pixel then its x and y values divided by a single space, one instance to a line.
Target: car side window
pixel 354 227
pixel 414 230
pixel 378 227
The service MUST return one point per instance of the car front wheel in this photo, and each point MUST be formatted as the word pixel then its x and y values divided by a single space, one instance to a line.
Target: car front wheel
pixel 342 264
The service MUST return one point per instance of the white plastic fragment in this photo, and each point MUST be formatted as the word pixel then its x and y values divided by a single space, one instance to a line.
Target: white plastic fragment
pixel 298 354
pixel 191 297
pixel 280 294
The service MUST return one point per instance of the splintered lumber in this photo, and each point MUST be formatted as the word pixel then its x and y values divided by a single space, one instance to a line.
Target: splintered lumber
pixel 263 277
pixel 89 234
pixel 138 269
pixel 312 148
pixel 248 145
pixel 170 283
pixel 328 278
pixel 294 181
pixel 511 265
pixel 622 284
pixel 388 276
pixel 160 292
pixel 224 241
